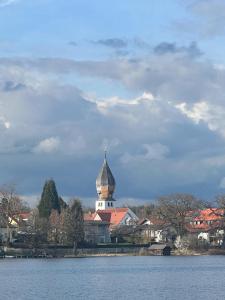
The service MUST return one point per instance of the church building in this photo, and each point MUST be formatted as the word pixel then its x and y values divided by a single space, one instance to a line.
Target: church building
pixel 105 206
pixel 105 185
pixel 98 225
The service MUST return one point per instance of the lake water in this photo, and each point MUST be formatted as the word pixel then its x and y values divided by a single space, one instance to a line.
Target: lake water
pixel 114 278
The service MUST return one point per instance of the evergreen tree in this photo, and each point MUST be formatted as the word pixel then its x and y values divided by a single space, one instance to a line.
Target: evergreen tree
pixel 78 221
pixel 49 199
pixel 63 205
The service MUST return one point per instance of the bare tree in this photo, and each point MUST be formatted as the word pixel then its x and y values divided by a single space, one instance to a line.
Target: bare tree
pixel 54 231
pixel 72 223
pixel 219 212
pixel 39 228
pixel 11 206
pixel 174 209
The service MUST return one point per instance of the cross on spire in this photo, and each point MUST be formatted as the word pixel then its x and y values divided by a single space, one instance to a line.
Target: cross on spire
pixel 105 153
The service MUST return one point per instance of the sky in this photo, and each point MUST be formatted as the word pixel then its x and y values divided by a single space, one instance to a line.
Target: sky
pixel 143 79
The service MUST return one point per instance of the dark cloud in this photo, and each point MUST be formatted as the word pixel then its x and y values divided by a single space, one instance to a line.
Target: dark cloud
pixel 50 129
pixel 165 48
pixel 124 47
pixel 9 86
pixel 172 77
pixel 115 43
pixel 72 43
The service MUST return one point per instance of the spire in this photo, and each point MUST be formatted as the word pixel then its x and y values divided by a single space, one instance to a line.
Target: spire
pixel 105 182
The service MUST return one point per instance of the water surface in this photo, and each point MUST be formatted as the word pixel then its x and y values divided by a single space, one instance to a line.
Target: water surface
pixel 114 278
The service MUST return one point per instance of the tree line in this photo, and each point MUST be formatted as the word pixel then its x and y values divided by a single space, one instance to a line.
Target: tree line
pixel 174 211
pixel 56 222
pixel 52 222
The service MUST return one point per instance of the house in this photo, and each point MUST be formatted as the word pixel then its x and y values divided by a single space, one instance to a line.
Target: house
pixel 159 249
pixel 96 232
pixel 152 230
pixel 7 231
pixel 207 224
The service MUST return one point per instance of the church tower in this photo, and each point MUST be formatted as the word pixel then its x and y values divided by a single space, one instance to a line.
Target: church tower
pixel 105 185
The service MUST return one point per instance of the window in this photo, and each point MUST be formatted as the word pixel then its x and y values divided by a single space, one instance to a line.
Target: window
pixel 108 204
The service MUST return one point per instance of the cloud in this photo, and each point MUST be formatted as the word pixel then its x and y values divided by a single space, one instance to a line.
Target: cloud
pixel 169 77
pixel 212 14
pixel 115 43
pixel 48 145
pixel 165 48
pixel 9 86
pixel 206 19
pixel 5 123
pixel 72 43
pixel 198 112
pixel 159 140
pixel 211 114
pixel 155 151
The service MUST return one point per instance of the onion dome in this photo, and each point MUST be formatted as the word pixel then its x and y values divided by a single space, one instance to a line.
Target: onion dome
pixel 105 182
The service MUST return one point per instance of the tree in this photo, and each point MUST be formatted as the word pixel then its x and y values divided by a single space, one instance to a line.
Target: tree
pixel 11 206
pixel 62 204
pixel 219 212
pixel 54 227
pixel 143 211
pixel 73 223
pixel 174 210
pixel 40 228
pixel 77 219
pixel 49 200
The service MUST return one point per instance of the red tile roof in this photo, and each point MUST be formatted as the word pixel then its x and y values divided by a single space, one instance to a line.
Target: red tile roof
pixel 205 220
pixel 113 215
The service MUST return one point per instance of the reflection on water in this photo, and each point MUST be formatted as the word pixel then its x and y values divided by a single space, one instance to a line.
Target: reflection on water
pixel 114 278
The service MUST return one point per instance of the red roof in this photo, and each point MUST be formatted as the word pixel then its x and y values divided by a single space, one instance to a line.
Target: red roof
pixel 210 214
pixel 113 215
pixel 206 219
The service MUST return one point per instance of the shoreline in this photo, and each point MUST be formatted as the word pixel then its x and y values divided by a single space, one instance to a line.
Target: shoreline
pixel 105 254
